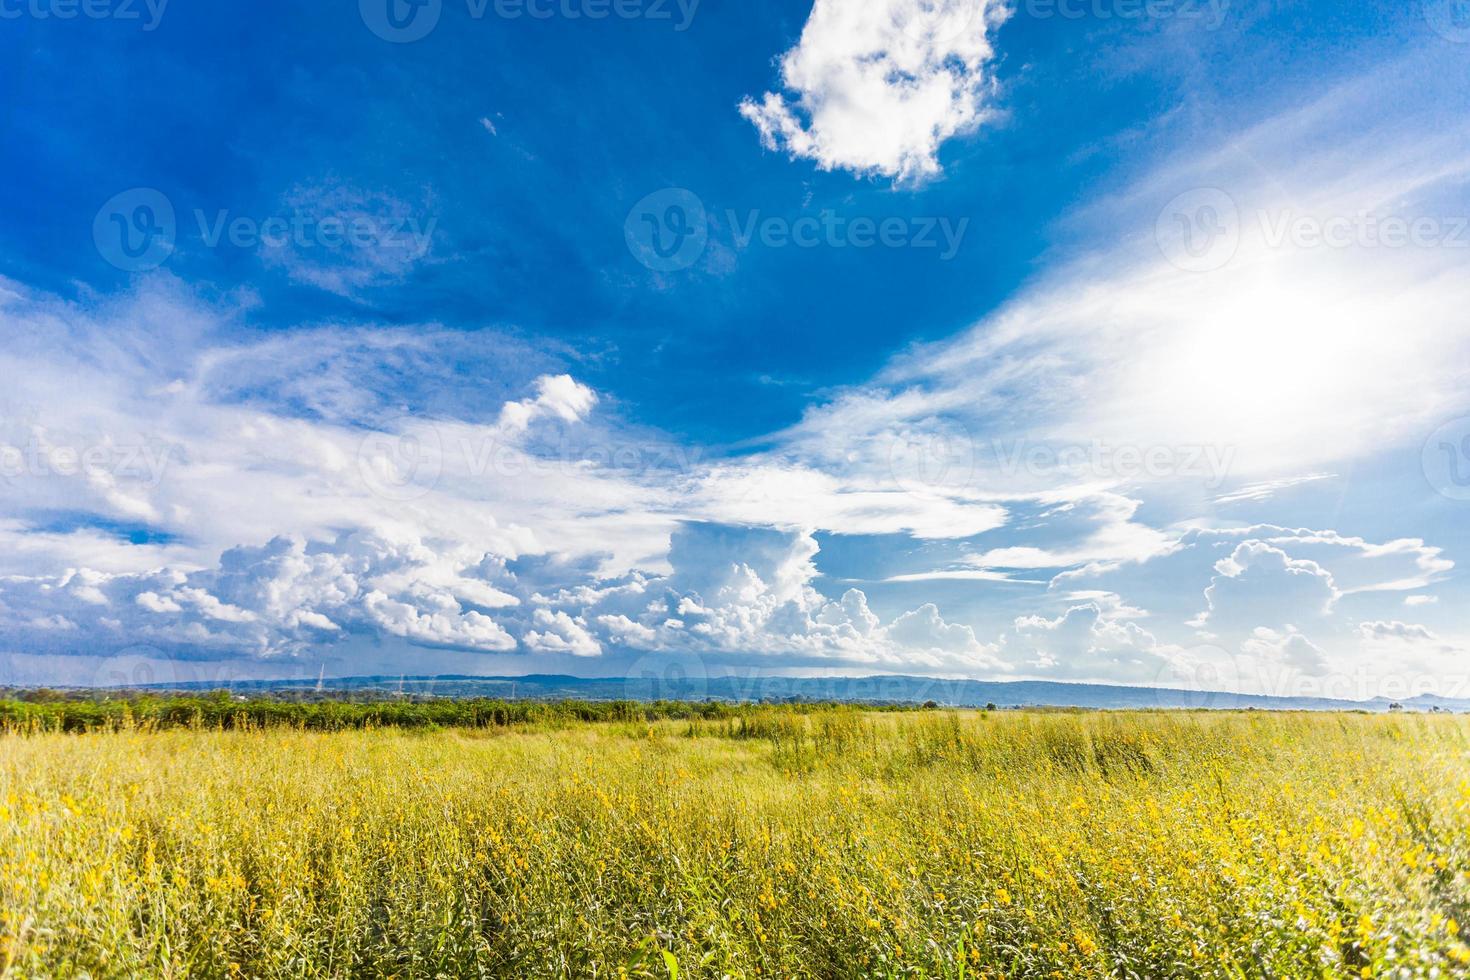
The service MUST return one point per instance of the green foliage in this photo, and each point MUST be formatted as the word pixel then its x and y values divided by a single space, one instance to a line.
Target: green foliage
pixel 220 710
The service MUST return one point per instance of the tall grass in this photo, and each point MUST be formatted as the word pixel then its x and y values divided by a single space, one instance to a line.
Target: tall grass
pixel 774 843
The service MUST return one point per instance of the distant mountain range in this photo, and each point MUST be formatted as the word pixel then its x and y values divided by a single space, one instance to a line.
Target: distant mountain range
pixel 894 689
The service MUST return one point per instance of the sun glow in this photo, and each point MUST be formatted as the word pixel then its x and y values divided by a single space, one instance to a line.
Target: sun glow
pixel 1288 355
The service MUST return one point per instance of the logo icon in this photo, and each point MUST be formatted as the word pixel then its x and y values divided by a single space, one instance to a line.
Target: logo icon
pixel 135 230
pixel 1201 677
pixel 1450 19
pixel 400 21
pixel 1446 459
pixel 667 230
pixel 937 454
pixel 1199 231
pixel 667 677
pixel 135 667
pixel 404 463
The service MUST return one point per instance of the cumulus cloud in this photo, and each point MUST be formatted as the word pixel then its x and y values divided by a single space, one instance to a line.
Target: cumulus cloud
pixel 343 490
pixel 441 529
pixel 436 620
pixel 1261 585
pixel 560 396
pixel 925 629
pixel 878 87
pixel 272 601
pixel 560 633
pixel 1288 648
pixel 745 595
pixel 1406 644
pixel 1087 641
pixel 1358 566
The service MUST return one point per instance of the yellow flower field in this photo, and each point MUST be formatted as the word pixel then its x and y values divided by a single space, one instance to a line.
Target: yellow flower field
pixel 832 843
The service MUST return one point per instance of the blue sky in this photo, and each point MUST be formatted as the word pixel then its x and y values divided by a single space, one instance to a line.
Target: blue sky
pixel 1081 339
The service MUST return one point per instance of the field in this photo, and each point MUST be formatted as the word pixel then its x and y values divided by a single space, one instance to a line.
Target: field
pixel 775 842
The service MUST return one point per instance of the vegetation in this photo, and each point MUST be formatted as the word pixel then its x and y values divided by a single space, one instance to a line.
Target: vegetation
pixel 90 712
pixel 769 842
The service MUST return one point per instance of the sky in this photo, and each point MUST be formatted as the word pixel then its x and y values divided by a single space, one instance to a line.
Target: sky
pixel 1120 341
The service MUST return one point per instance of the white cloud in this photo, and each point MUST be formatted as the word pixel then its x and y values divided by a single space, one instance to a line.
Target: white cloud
pixel 1086 642
pixel 745 595
pixel 442 624
pixel 342 490
pixel 624 630
pixel 1261 585
pixel 1395 630
pixel 153 602
pixel 381 526
pixel 1117 349
pixel 1288 648
pixel 1255 492
pixel 560 633
pixel 877 87
pixel 272 601
pixel 560 396
pixel 759 491
pixel 925 629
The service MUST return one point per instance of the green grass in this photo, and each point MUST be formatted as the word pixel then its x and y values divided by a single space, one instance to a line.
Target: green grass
pixel 768 843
